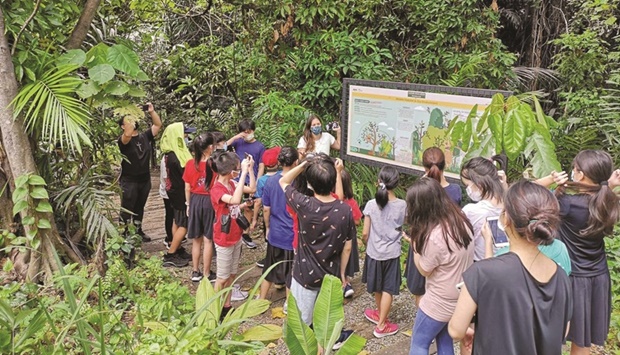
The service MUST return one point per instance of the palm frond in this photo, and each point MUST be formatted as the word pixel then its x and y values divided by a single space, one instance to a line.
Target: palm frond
pixel 93 199
pixel 528 78
pixel 52 111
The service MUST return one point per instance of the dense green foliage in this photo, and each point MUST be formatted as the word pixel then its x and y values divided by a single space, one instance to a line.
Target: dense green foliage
pixel 212 63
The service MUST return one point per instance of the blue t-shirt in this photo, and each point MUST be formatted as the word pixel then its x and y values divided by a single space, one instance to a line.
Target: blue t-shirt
pixel 255 149
pixel 455 193
pixel 555 251
pixel 280 221
pixel 260 185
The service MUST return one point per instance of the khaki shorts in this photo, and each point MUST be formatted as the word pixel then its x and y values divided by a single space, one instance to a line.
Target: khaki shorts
pixel 227 260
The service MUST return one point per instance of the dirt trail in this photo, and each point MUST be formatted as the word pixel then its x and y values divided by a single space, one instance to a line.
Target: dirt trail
pixel 403 309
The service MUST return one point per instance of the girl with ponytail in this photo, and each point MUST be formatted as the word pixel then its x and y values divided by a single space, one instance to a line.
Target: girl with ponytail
pixel 589 210
pixel 383 220
pixel 434 162
pixel 199 178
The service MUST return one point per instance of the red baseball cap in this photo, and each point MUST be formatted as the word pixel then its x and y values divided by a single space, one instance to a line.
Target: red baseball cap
pixel 270 157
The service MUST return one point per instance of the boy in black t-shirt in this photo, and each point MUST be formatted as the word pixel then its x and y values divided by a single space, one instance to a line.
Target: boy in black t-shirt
pixel 326 228
pixel 135 180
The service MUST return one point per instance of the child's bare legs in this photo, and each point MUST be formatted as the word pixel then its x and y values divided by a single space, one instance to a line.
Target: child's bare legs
pixel 384 303
pixel 178 233
pixel 196 246
pixel 207 256
pixel 578 350
pixel 264 289
pixel 223 283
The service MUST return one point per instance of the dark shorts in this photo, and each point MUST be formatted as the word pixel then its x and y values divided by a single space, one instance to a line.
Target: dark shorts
pixel 353 265
pixel 591 310
pixel 382 275
pixel 201 217
pixel 180 218
pixel 281 273
pixel 416 283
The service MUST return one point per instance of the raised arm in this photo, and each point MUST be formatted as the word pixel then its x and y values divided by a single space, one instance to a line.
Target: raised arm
pixel 156 127
pixel 339 187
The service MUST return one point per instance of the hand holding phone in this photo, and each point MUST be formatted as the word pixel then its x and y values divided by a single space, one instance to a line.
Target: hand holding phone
pixel 500 239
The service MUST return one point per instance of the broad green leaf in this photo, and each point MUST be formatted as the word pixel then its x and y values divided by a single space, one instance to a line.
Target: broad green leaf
pixel 456 133
pixel 328 309
pixel 142 76
pixel 124 59
pixel 44 207
pixel 544 160
pixel 467 132
pixel 19 194
pixel 101 73
pixel 73 56
pixel 28 220
pixel 21 180
pixel 44 224
pixel 514 134
pixel 208 305
pixel 482 122
pixel 497 104
pixel 34 243
pixel 30 74
pixel 352 346
pixel 335 335
pixel 263 333
pixel 496 126
pixel 116 88
pixel 136 91
pixel 39 193
pixel 97 55
pixel 32 233
pixel 8 265
pixel 20 206
pixel 87 89
pixel 36 180
pixel 249 309
pixel 299 338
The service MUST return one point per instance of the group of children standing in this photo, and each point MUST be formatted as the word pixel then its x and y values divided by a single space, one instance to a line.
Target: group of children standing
pixel 310 219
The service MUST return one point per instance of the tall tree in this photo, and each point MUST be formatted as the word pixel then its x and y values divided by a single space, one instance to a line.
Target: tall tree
pixel 83 25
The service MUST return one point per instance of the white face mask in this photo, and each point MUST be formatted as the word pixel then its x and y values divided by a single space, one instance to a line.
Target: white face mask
pixel 249 137
pixel 473 195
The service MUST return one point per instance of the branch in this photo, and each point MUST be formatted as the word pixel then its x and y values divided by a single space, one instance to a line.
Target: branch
pixel 82 26
pixel 21 30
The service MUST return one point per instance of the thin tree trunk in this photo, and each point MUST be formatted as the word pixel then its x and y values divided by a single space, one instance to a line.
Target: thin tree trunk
pixel 83 25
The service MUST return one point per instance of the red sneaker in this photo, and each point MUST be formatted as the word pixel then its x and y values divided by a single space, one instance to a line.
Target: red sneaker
pixel 372 315
pixel 388 329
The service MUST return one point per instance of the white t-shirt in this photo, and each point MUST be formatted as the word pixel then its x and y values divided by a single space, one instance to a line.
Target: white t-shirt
pixel 162 178
pixel 320 146
pixel 477 214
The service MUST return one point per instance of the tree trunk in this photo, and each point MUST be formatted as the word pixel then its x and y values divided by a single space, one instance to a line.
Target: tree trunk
pixel 83 25
pixel 20 161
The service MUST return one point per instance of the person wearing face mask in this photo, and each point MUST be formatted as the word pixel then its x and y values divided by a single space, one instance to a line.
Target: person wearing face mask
pixel 522 299
pixel 484 187
pixel 244 143
pixel 220 144
pixel 315 140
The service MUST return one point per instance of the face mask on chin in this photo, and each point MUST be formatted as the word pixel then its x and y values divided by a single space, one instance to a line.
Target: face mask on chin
pixel 316 130
pixel 474 195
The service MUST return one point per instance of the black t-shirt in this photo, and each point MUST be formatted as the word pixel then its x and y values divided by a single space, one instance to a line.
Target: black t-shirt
pixel 138 153
pixel 587 254
pixel 516 313
pixel 175 186
pixel 324 227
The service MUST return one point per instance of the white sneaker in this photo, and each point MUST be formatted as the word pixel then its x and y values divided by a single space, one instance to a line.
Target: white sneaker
pixel 237 294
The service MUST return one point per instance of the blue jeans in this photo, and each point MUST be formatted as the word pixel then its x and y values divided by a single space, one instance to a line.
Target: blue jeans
pixel 425 329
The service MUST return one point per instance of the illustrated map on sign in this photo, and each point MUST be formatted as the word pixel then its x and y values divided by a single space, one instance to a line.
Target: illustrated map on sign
pixel 396 126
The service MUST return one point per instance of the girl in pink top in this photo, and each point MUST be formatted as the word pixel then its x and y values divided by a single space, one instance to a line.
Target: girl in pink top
pixel 441 238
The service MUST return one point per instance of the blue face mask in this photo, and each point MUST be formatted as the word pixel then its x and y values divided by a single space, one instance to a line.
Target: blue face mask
pixel 316 130
pixel 224 147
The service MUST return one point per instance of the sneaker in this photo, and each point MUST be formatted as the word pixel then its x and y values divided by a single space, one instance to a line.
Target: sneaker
pixel 174 260
pixel 344 335
pixel 225 311
pixel 183 254
pixel 167 244
pixel 372 315
pixel 197 276
pixel 237 294
pixel 261 263
pixel 348 291
pixel 388 329
pixel 279 286
pixel 247 240
pixel 211 276
pixel 145 238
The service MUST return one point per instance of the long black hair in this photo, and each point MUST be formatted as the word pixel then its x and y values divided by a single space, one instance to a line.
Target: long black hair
pixel 199 146
pixel 429 206
pixel 388 180
pixel 483 173
pixel 603 206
